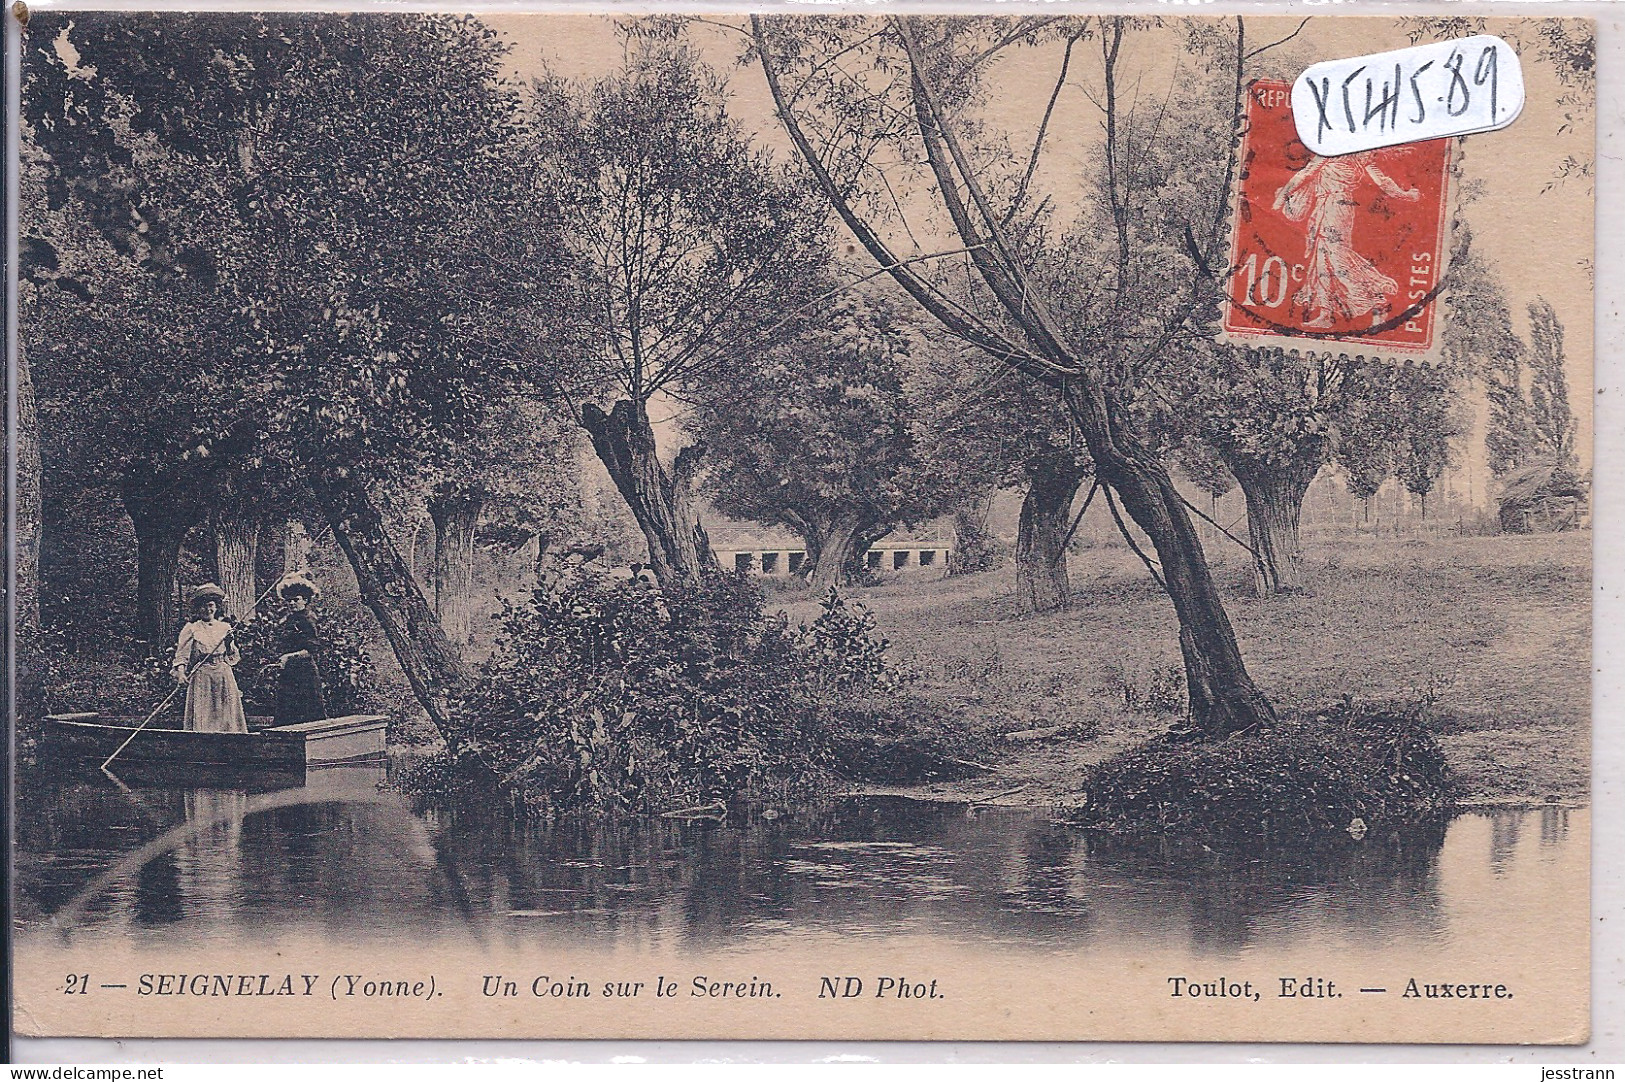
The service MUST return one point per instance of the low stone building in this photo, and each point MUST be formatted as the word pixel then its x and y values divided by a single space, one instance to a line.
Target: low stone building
pixel 766 550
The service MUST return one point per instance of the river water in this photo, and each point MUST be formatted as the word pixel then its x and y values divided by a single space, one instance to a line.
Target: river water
pixel 164 859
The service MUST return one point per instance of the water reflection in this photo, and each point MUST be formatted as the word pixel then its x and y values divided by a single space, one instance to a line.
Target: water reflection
pixel 330 855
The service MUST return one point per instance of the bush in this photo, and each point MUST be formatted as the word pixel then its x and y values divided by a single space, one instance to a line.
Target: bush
pixel 1306 777
pixel 54 679
pixel 842 648
pixel 615 695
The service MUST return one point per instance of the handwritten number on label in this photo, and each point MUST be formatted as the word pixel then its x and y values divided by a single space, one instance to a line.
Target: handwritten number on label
pixel 1421 106
pixel 1486 70
pixel 1457 82
pixel 1447 88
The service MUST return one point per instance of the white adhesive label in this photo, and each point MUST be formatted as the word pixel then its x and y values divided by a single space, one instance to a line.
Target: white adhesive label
pixel 1427 92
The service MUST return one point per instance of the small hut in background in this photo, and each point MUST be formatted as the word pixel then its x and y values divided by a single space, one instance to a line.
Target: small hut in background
pixel 1544 498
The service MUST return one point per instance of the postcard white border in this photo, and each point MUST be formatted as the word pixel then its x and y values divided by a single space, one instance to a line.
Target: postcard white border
pixel 1607 1045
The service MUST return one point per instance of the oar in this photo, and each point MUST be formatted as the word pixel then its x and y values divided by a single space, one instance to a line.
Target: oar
pixel 204 660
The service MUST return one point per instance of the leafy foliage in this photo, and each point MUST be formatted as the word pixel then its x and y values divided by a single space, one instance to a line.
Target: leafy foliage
pixel 686 243
pixel 981 424
pixel 614 695
pixel 976 547
pixel 1427 402
pixel 329 221
pixel 841 644
pixel 817 435
pixel 53 677
pixel 1480 339
pixel 1549 385
pixel 326 214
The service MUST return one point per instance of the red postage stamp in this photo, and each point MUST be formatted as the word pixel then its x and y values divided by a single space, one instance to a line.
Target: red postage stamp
pixel 1349 249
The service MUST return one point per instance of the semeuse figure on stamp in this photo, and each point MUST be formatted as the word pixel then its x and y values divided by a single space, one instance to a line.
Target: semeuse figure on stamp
pixel 1339 283
pixel 204 656
pixel 299 681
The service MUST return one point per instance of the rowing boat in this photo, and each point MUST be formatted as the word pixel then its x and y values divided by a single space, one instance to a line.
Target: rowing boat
pixel 354 738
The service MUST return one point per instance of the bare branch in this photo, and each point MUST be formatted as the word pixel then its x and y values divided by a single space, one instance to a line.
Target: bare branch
pixel 1003 275
pixel 877 247
pixel 1043 129
pixel 1283 41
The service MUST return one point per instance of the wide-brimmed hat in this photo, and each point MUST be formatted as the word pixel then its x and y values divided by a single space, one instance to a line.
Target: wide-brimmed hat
pixel 296 583
pixel 207 592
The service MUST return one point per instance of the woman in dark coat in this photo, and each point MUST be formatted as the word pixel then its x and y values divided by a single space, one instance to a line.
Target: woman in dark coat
pixel 299 684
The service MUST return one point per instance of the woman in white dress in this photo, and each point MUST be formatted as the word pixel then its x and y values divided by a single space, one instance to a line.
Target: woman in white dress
pixel 1339 284
pixel 204 656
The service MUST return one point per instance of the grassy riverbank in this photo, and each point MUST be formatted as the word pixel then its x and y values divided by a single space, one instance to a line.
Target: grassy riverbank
pixel 1491 634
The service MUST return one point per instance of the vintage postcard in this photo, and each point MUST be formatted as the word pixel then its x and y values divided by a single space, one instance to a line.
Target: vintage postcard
pixel 948 528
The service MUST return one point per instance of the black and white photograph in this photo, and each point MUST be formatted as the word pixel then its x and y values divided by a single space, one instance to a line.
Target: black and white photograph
pixel 887 527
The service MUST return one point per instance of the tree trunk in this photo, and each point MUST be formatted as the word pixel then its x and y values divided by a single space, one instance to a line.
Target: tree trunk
pixel 236 552
pixel 625 443
pixel 159 534
pixel 863 540
pixel 432 666
pixel 973 546
pixel 455 515
pixel 1042 580
pixel 1274 507
pixel 295 548
pixel 29 511
pixel 1223 697
pixel 830 547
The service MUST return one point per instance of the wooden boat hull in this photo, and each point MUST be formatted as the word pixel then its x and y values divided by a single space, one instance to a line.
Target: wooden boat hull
pixel 351 739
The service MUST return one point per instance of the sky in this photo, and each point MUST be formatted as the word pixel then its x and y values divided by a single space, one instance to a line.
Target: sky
pixel 1536 231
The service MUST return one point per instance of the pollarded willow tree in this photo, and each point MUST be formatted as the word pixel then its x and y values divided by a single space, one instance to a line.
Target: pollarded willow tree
pixel 689 247
pixel 513 478
pixel 123 404
pixel 879 108
pixel 817 434
pixel 1273 416
pixel 985 426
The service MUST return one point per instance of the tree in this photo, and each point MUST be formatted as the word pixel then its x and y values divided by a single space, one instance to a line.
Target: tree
pixel 1369 433
pixel 1549 384
pixel 122 405
pixel 1270 415
pixel 512 475
pixel 1479 339
pixel 688 244
pixel 1427 402
pixel 816 435
pixel 983 426
pixel 346 195
pixel 1203 467
pixel 915 79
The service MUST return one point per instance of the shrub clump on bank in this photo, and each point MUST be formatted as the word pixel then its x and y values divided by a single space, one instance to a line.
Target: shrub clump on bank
pixel 1303 777
pixel 613 695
